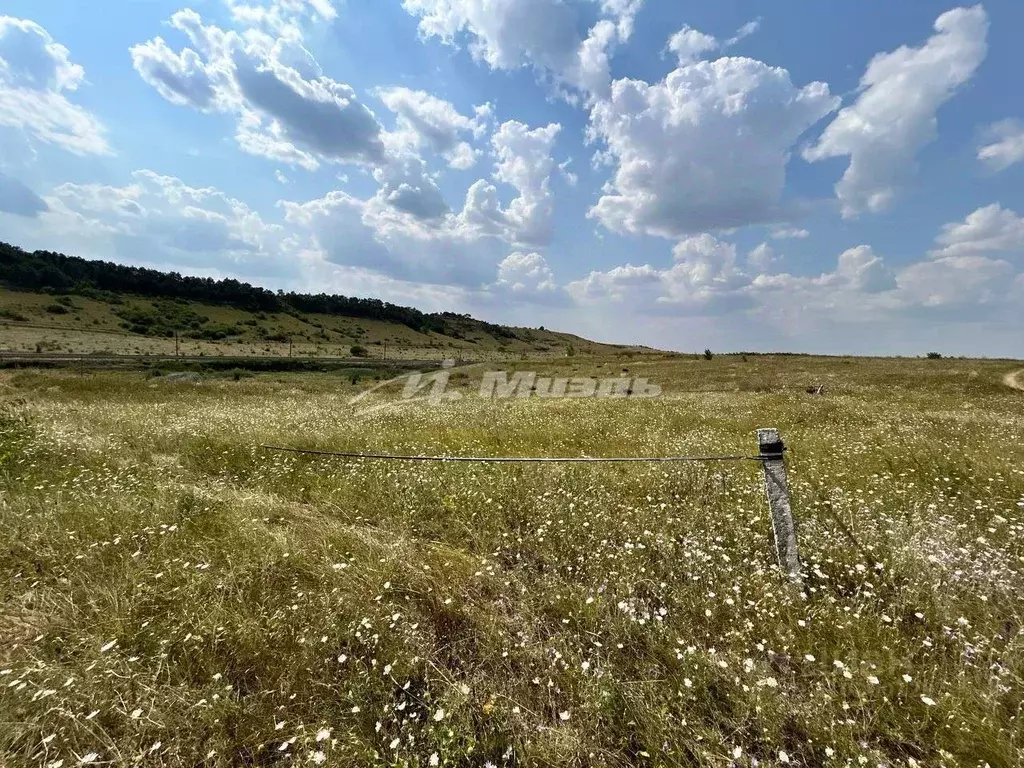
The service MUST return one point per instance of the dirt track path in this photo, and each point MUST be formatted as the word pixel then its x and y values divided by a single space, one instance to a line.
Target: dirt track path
pixel 1015 379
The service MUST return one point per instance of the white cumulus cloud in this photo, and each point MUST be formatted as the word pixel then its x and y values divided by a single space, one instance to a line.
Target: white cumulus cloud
pixel 991 229
pixel 543 34
pixel 1005 147
pixel 525 161
pixel 36 74
pixel 704 277
pixel 161 220
pixel 368 235
pixel 406 231
pixel 894 114
pixel 704 149
pixel 287 109
pixel 525 273
pixel 965 286
pixel 689 44
pixel 427 122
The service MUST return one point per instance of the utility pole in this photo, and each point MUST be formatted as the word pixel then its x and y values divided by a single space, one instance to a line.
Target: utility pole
pixel 289 346
pixel 176 343
pixel 385 350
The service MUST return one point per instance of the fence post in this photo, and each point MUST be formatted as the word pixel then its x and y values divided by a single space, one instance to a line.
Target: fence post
pixel 776 489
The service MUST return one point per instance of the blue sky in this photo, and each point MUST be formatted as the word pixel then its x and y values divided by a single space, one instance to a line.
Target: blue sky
pixel 840 177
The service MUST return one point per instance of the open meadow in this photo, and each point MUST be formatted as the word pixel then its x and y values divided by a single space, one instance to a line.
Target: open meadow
pixel 172 594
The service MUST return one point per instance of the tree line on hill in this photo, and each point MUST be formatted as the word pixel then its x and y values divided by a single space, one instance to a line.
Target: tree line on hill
pixel 49 272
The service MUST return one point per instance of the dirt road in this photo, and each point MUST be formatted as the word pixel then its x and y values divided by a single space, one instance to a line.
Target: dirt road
pixel 1015 379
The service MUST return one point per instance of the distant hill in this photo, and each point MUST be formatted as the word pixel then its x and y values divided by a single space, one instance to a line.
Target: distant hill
pixel 52 302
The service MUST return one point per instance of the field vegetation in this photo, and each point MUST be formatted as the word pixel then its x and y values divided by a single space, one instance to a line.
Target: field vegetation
pixel 136 325
pixel 172 594
pixel 54 303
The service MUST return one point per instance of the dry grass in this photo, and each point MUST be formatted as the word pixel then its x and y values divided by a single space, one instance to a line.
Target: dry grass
pixel 174 596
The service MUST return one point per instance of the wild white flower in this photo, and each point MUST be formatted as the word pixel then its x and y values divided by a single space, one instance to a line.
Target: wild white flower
pixel 323 734
pixel 91 757
pixel 872 679
pixel 318 757
pixel 394 743
pixel 434 759
pixel 907 679
pixel 439 715
pixel 563 716
pixel 136 714
pixel 928 701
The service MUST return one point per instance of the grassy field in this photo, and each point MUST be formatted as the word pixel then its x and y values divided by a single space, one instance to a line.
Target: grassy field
pixel 39 322
pixel 171 594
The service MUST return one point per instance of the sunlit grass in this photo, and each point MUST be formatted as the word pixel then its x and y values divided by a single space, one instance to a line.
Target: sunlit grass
pixel 174 595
